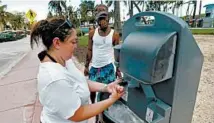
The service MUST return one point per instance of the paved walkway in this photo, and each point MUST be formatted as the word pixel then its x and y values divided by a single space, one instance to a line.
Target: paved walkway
pixel 18 93
pixel 19 98
pixel 11 53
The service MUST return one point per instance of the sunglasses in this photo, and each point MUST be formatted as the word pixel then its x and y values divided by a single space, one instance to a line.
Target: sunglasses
pixel 66 23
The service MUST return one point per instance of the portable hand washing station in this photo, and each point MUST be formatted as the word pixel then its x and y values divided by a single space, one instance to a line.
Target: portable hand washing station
pixel 161 63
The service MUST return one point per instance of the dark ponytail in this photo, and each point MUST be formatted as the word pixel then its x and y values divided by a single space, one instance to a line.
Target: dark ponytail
pixel 42 55
pixel 37 32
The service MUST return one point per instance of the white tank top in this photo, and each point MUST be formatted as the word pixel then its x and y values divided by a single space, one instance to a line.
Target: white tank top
pixel 103 52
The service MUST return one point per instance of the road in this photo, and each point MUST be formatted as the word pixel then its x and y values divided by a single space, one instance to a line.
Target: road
pixel 11 53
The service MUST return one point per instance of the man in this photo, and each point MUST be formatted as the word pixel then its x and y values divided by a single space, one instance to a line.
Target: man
pixel 101 53
pixel 100 50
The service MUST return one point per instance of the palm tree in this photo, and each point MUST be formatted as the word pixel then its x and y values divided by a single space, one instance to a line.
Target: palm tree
pixel 177 5
pixel 158 5
pixel 137 5
pixel 117 20
pixel 85 8
pixel 200 9
pixel 116 17
pixel 72 12
pixel 111 15
pixel 17 20
pixel 4 16
pixel 58 7
pixel 194 11
pixel 131 5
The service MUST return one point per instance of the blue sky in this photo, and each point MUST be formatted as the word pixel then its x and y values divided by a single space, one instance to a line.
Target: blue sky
pixel 41 6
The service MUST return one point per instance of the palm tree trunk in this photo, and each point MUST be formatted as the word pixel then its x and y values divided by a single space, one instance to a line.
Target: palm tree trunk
pixel 187 12
pixel 173 9
pixel 194 12
pixel 165 7
pixel 138 8
pixel 143 6
pixel 200 9
pixel 4 25
pixel 117 21
pixel 131 8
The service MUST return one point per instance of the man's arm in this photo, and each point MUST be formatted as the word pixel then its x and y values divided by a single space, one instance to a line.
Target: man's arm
pixel 116 38
pixel 89 52
pixel 116 41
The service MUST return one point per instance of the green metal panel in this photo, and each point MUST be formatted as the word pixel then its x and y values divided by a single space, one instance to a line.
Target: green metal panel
pixel 163 62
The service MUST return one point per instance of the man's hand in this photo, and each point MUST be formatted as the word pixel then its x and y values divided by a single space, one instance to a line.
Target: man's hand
pixel 86 71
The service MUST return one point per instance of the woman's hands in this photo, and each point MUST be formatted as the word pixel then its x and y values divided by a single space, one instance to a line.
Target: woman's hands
pixel 114 84
pixel 116 90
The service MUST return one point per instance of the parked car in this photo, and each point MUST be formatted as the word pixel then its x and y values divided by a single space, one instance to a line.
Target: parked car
pixel 20 34
pixel 2 37
pixel 8 36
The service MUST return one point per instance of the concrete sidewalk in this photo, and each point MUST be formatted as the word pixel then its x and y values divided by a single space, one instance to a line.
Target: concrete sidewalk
pixel 19 98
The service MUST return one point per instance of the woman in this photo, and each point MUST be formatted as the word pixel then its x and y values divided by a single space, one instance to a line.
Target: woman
pixel 63 90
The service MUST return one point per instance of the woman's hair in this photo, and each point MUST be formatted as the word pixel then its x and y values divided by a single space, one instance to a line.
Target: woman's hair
pixel 47 30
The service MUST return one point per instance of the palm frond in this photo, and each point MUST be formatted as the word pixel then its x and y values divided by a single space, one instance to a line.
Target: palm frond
pixel 109 2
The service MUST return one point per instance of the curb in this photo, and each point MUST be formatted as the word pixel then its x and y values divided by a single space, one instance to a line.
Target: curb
pixel 13 64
